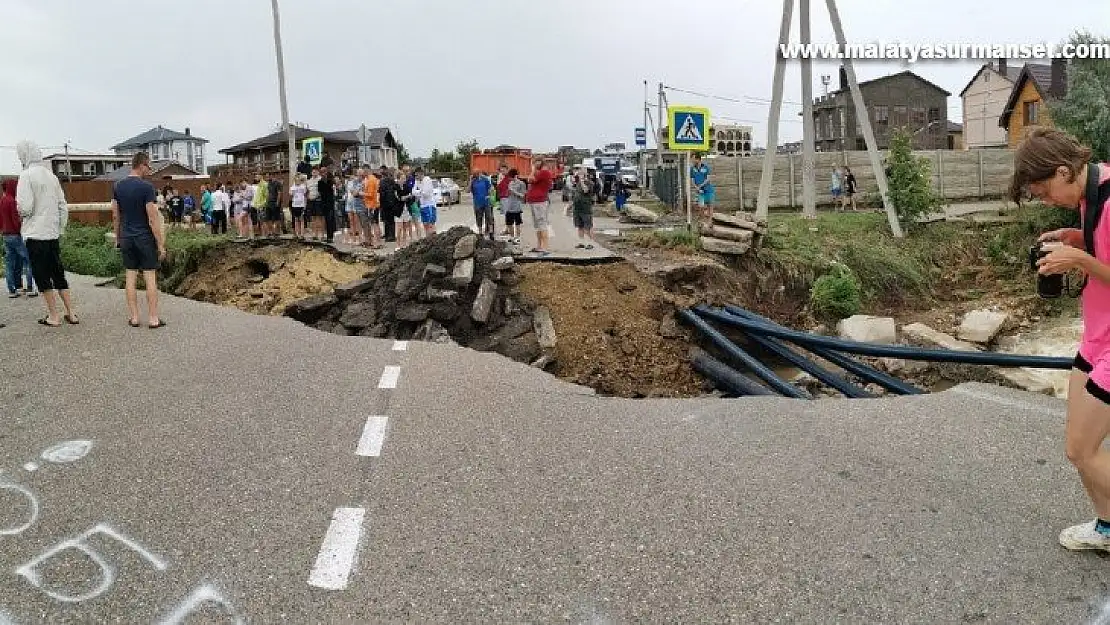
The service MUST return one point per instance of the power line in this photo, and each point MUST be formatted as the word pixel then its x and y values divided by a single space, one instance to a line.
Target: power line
pixel 742 100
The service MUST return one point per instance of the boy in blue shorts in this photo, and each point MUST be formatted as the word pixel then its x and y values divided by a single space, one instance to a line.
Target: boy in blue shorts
pixel 703 189
pixel 428 196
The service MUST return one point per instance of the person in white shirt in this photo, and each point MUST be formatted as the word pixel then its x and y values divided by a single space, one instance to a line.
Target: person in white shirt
pixel 221 205
pixel 428 196
pixel 42 206
pixel 299 204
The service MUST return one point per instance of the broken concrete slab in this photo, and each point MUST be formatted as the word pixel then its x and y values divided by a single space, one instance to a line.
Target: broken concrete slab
pixel 720 246
pixel 311 309
pixel 359 315
pixel 728 234
pixel 464 272
pixel 505 262
pixel 924 335
pixel 545 327
pixel 982 326
pixel 433 271
pixel 350 289
pixel 413 312
pixel 639 214
pixel 741 221
pixel 868 329
pixel 432 294
pixel 464 247
pixel 483 302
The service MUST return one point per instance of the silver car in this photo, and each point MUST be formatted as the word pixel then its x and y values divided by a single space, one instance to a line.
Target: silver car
pixel 449 191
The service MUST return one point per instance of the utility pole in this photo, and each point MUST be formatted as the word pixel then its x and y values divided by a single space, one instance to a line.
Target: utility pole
pixel 809 191
pixel 292 158
pixel 773 115
pixel 865 123
pixel 643 150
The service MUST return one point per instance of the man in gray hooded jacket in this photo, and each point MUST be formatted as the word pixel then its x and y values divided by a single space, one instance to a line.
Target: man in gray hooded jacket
pixel 42 206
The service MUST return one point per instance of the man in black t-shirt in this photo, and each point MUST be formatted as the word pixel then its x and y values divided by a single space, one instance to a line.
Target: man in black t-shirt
pixel 176 205
pixel 138 228
pixel 327 202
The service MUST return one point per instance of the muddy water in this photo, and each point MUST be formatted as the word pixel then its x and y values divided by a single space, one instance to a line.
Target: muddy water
pixel 1052 337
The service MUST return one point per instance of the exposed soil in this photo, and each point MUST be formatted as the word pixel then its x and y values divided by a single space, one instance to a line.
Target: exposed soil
pixel 616 330
pixel 265 278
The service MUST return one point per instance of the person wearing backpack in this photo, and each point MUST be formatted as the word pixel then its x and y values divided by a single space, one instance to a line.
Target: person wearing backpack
pixel 1053 167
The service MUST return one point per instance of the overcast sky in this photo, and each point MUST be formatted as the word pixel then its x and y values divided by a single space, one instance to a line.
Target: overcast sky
pixel 533 74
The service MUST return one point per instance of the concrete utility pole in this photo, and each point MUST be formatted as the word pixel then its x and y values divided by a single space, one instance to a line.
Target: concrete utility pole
pixel 281 92
pixel 659 138
pixel 765 178
pixel 643 150
pixel 809 187
pixel 865 123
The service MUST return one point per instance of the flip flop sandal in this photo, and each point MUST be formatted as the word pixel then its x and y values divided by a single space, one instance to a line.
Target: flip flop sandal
pixel 133 324
pixel 161 324
pixel 73 321
pixel 45 322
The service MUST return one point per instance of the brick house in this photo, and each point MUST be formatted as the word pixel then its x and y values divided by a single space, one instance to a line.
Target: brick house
pixel 902 100
pixel 1027 105
pixel 984 98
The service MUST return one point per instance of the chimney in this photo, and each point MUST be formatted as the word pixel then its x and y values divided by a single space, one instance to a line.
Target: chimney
pixel 187 133
pixel 1058 88
pixel 843 79
pixel 1001 67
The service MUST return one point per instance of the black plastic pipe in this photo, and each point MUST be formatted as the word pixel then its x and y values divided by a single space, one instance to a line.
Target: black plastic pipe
pixel 761 371
pixel 896 351
pixel 726 378
pixel 855 367
pixel 805 364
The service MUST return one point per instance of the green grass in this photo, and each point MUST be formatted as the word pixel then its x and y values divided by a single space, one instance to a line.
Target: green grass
pixel 86 250
pixel 678 239
pixel 802 250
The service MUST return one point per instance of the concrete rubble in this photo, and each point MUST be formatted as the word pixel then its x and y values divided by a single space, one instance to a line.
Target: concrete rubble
pixel 453 287
pixel 982 326
pixel 868 329
pixel 734 235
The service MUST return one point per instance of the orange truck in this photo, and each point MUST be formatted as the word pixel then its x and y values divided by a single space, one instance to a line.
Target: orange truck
pixel 491 161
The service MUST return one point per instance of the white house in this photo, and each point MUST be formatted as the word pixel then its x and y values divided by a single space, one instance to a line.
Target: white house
pixel 164 144
pixel 984 99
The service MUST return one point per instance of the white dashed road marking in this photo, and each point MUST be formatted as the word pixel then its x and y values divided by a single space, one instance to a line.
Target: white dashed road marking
pixel 337 553
pixel 389 377
pixel 373 435
pixel 400 346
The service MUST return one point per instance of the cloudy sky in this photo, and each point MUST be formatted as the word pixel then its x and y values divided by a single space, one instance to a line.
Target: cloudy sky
pixel 536 74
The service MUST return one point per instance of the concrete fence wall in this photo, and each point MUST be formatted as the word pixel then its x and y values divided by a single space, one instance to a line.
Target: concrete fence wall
pixel 957 175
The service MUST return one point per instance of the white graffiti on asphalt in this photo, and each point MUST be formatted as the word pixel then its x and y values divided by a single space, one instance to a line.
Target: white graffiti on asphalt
pixel 206 594
pixel 32 510
pixel 72 451
pixel 107 571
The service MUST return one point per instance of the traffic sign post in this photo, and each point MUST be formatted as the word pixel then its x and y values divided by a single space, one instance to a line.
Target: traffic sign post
pixel 641 137
pixel 312 149
pixel 688 128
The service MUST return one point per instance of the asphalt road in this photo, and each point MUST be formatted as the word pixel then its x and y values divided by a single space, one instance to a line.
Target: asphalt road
pixel 223 459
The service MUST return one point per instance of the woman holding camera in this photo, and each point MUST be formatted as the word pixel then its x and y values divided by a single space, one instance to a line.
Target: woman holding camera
pixel 1053 167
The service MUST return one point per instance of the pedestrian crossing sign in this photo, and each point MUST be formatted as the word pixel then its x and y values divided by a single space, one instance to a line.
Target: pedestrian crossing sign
pixel 313 150
pixel 688 128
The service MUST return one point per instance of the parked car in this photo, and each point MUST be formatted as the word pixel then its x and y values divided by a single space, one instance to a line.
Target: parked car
pixel 449 191
pixel 631 177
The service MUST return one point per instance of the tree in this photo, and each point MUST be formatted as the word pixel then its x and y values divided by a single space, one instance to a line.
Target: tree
pixel 464 150
pixel 1085 110
pixel 442 161
pixel 403 157
pixel 910 181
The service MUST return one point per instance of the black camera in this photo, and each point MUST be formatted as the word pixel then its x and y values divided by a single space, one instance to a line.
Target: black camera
pixel 1050 286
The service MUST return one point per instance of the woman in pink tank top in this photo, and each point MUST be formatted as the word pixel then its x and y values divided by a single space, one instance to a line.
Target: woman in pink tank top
pixel 1054 167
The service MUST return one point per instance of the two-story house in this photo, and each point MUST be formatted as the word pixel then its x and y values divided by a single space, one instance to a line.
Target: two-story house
pixel 1026 107
pixel 269 154
pixel 165 144
pixel 77 167
pixel 902 100
pixel 984 98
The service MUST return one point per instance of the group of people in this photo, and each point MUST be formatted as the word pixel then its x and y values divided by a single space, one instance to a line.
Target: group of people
pixel 510 194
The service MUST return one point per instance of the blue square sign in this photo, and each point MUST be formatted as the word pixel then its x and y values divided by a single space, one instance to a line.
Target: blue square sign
pixel 688 128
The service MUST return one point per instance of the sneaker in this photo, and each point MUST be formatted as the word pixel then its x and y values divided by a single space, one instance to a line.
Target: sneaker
pixel 580 246
pixel 1084 536
pixel 13 295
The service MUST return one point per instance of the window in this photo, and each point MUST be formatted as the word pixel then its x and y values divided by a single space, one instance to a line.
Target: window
pixel 917 117
pixel 1031 112
pixel 934 114
pixel 882 116
pixel 88 169
pixel 899 118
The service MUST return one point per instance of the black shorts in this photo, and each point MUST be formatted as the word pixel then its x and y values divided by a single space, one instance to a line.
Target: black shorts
pixel 583 218
pixel 176 216
pixel 297 211
pixel 274 213
pixel 46 264
pixel 514 219
pixel 139 253
pixel 314 208
pixel 1095 390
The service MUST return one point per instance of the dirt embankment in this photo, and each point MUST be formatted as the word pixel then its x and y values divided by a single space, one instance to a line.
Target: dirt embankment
pixel 265 278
